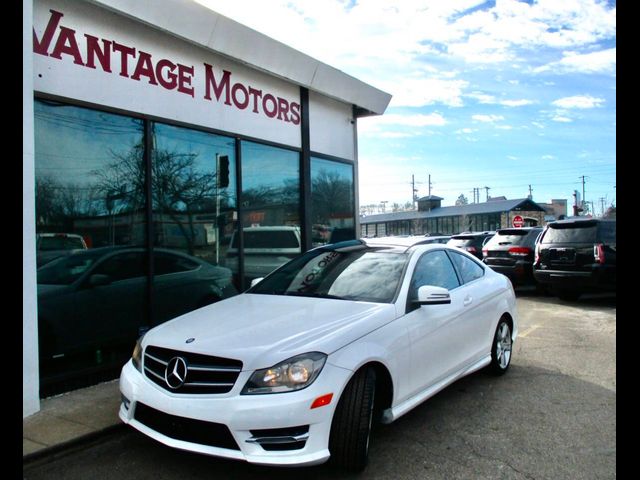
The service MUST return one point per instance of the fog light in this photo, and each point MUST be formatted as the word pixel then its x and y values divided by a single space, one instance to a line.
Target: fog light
pixel 125 401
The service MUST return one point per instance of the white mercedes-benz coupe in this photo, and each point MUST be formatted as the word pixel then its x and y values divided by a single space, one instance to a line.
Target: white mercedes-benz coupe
pixel 298 368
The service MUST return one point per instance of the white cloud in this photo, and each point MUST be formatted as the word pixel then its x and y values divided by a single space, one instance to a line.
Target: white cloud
pixel 417 120
pixel 516 103
pixel 578 101
pixel 603 61
pixel 466 131
pixel 504 127
pixel 409 125
pixel 486 99
pixel 482 97
pixel 418 92
pixel 559 118
pixel 547 157
pixel 487 118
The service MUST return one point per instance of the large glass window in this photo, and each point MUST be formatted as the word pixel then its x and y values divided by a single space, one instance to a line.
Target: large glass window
pixel 332 201
pixel 271 209
pixel 90 204
pixel 194 215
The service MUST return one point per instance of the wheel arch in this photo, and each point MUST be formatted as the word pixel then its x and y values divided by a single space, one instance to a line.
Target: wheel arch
pixel 384 386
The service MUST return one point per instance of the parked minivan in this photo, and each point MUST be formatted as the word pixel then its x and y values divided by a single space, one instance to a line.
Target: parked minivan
pixel 577 256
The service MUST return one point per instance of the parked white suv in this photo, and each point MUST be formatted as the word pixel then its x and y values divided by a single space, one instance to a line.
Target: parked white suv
pixel 265 249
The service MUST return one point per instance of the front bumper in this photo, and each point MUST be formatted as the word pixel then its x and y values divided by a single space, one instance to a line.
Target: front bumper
pixel 240 414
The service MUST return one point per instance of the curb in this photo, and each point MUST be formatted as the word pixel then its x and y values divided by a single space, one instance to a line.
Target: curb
pixel 73 443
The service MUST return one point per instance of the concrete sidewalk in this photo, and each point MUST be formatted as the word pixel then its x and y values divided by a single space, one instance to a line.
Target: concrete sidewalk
pixel 70 418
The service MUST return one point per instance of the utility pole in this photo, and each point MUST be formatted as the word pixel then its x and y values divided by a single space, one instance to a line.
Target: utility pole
pixel 487 192
pixel 602 200
pixel 583 198
pixel 429 184
pixel 530 193
pixel 413 192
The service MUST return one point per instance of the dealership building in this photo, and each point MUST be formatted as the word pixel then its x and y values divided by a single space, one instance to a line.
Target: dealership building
pixel 170 155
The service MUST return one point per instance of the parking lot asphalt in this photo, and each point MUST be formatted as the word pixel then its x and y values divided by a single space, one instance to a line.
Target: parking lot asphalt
pixel 553 415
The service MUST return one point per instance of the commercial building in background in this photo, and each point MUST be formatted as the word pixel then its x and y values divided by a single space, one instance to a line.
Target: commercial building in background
pixel 157 132
pixel 432 218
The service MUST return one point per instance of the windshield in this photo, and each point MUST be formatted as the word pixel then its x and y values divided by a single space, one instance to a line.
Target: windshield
pixel 362 274
pixel 66 270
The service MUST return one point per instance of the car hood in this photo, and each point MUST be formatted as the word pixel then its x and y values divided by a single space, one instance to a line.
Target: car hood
pixel 262 330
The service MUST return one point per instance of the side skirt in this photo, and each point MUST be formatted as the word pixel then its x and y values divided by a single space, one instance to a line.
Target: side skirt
pixel 391 414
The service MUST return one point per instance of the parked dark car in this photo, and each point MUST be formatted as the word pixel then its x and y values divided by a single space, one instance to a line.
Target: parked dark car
pixel 577 256
pixel 472 242
pixel 511 252
pixel 95 298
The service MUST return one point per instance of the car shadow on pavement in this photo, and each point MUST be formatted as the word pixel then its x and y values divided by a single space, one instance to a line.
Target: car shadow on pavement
pixel 605 299
pixel 532 422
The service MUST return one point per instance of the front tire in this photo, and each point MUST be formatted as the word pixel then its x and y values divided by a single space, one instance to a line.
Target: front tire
pixel 501 348
pixel 351 425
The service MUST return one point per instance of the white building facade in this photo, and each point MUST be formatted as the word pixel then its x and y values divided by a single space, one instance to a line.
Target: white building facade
pixel 155 133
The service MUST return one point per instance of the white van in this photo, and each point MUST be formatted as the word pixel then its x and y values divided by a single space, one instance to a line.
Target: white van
pixel 265 249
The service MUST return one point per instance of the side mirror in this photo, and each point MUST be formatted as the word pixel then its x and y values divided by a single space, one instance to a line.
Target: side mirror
pixel 256 281
pixel 99 280
pixel 432 295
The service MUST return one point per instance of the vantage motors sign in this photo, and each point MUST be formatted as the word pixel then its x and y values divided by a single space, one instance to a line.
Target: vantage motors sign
pixel 86 53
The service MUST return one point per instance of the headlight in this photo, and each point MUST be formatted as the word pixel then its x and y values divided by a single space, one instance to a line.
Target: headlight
pixel 136 358
pixel 294 373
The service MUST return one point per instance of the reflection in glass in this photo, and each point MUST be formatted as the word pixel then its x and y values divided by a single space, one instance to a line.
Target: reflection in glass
pixel 357 273
pixel 271 209
pixel 194 214
pixel 332 202
pixel 89 196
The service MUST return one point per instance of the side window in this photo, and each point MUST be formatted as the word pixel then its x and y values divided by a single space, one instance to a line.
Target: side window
pixel 433 268
pixel 123 266
pixel 468 269
pixel 165 263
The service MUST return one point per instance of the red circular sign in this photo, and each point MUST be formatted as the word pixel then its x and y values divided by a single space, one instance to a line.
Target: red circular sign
pixel 518 221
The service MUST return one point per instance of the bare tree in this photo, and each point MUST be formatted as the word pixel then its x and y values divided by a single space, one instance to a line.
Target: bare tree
pixel 179 188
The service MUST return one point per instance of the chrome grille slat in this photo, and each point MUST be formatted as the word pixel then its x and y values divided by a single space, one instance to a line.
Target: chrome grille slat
pixel 146 369
pixel 157 359
pixel 215 369
pixel 208 384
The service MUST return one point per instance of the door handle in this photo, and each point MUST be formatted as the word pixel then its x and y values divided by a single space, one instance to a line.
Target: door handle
pixel 467 301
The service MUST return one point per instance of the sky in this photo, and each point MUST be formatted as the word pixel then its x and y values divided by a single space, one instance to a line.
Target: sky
pixel 516 96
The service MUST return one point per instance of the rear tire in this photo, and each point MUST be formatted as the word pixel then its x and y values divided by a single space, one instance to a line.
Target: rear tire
pixel 351 425
pixel 501 348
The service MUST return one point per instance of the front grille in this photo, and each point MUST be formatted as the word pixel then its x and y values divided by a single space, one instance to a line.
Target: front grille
pixel 205 374
pixel 185 429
